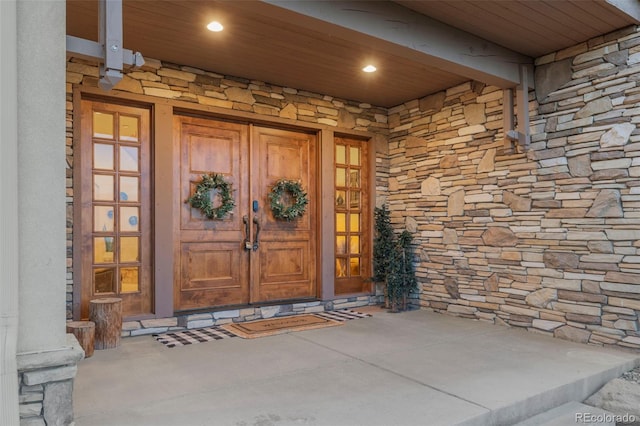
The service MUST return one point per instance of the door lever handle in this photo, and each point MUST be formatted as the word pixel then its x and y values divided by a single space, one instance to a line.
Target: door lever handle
pixel 247 242
pixel 256 240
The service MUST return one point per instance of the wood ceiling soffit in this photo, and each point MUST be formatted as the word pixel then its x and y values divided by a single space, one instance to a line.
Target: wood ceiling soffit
pixel 403 32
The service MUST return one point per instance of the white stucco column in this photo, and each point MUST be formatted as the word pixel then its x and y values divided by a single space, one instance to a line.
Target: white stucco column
pixel 8 215
pixel 41 174
pixel 46 356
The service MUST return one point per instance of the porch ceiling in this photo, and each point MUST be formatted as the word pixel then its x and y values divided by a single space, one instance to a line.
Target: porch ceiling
pixel 302 45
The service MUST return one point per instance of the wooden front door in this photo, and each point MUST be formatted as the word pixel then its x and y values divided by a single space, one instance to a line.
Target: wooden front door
pixel 248 256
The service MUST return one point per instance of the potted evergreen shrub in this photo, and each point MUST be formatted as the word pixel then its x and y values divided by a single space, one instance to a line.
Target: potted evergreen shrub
pixel 393 261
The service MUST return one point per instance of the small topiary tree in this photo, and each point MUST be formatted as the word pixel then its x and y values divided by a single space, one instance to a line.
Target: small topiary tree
pixel 393 261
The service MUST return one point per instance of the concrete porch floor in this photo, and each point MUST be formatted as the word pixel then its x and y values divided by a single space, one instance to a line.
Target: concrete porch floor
pixel 413 368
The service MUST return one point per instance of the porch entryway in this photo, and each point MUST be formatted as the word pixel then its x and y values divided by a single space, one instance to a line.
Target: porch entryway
pixel 139 162
pixel 248 256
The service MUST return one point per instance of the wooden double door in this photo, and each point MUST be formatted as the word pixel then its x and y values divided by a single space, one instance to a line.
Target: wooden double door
pixel 249 256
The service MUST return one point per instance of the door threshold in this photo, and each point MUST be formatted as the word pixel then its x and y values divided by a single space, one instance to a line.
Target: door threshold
pixel 244 306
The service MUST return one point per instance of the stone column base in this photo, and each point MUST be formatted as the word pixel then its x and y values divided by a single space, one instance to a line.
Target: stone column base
pixel 46 384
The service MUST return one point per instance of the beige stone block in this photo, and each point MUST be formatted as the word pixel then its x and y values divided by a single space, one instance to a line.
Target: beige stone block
pixel 327 111
pixel 492 96
pixel 579 296
pixel 214 94
pixel 144 75
pixel 162 93
pixel 130 325
pixel 546 324
pixel 478 198
pixel 432 102
pixel 586 236
pixel 622 324
pixel 601 257
pixel 461 88
pixel 238 94
pixel 430 186
pixel 74 77
pixel 160 322
pixel 84 69
pixel 471 130
pixel 567 213
pixel 128 84
pixel 475 114
pixel 511 255
pixel 597 106
pixel 624 303
pixel 205 100
pixel 328 122
pixel 501 213
pixel 551 162
pixel 620 163
pixel 571 51
pixel 510 309
pixel 592 70
pixel 595 54
pixel 560 260
pixel 541 298
pixel 458 309
pixel 499 237
pixel 561 283
pixel 181 75
pixel 573 334
pixel 620 288
pixel 632 339
pixel 573 124
pixel 306 112
pixel 576 309
pixel 290 112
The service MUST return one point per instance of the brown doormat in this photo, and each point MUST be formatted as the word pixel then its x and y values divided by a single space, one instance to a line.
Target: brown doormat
pixel 270 327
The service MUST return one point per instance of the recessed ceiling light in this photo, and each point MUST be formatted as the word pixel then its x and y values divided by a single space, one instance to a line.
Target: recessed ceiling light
pixel 369 68
pixel 215 26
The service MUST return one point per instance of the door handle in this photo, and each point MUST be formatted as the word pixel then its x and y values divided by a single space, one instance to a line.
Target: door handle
pixel 256 240
pixel 247 242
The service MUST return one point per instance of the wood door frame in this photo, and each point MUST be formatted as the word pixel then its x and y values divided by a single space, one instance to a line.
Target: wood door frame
pixel 162 111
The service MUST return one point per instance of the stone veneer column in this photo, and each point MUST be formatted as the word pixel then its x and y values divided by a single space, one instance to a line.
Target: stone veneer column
pixel 46 359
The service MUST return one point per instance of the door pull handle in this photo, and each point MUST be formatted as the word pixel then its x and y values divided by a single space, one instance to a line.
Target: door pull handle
pixel 247 242
pixel 256 240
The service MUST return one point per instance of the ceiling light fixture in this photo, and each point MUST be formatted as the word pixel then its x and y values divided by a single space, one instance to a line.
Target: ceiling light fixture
pixel 369 68
pixel 215 26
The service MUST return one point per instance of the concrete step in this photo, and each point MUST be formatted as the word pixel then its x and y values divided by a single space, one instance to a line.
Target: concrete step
pixel 570 414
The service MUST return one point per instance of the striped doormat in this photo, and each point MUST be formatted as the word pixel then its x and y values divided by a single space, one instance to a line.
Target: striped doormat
pixel 190 337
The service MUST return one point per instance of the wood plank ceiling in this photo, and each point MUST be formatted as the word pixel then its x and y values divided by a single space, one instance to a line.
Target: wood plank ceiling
pixel 270 47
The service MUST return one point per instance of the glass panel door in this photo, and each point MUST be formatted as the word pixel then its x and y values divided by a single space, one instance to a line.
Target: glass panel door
pixel 351 215
pixel 116 206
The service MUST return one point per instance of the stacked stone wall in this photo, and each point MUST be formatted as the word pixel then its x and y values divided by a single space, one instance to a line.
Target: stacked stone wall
pixel 545 237
pixel 160 80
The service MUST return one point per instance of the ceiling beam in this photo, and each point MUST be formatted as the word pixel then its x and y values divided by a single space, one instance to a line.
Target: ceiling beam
pixel 387 26
pixel 629 8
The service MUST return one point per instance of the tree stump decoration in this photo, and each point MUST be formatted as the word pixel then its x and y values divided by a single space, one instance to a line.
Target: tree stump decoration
pixel 85 332
pixel 107 315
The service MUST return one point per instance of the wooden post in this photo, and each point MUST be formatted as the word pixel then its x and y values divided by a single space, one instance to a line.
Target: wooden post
pixel 85 333
pixel 107 315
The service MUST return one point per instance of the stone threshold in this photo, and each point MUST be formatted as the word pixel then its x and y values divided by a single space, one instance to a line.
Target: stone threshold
pixel 208 319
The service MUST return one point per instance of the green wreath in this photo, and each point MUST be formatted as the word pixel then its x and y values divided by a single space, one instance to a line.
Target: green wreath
pixel 202 200
pixel 300 200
